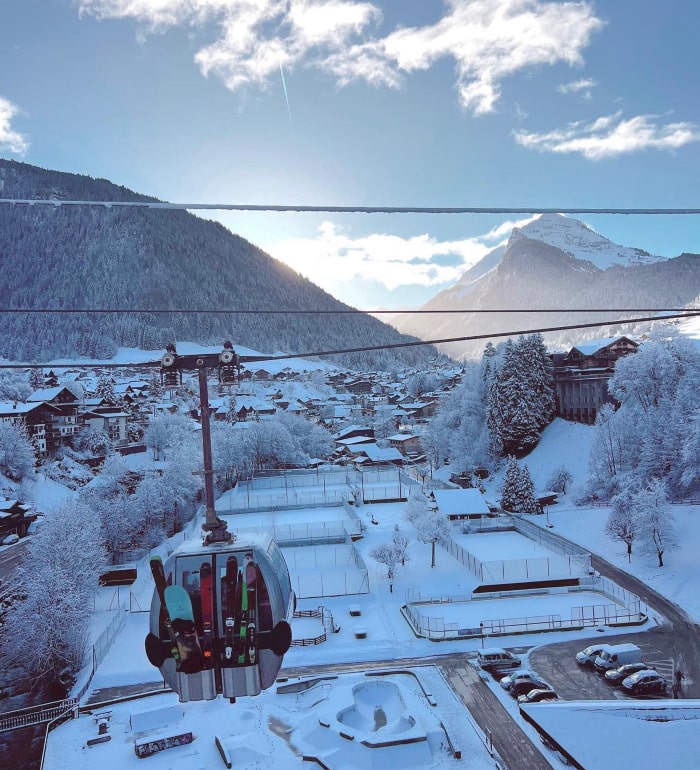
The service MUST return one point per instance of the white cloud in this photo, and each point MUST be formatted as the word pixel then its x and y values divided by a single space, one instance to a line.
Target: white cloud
pixel 488 40
pixel 583 87
pixel 335 257
pixel 11 140
pixel 611 135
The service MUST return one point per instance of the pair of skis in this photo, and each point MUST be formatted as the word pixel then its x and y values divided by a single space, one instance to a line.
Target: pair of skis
pixel 239 585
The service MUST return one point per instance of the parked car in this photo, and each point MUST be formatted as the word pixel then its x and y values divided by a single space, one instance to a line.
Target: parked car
pixel 524 686
pixel 496 659
pixel 617 655
pixel 537 695
pixel 647 682
pixel 616 675
pixel 587 657
pixel 520 675
pixel 10 539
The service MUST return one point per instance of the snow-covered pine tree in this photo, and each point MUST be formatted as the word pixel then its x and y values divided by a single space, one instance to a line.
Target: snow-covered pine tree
pixel 518 494
pixel 512 413
pixel 526 493
pixel 539 379
pixel 155 387
pixel 36 379
pixel 105 389
pixel 509 499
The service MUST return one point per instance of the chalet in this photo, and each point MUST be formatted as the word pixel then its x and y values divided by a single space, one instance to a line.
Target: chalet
pixel 110 420
pixel 15 518
pixel 354 444
pixel 93 402
pixel 66 423
pixel 164 407
pixel 352 431
pixel 39 419
pixel 253 409
pixel 331 411
pixel 407 443
pixel 419 410
pixel 461 503
pixel 359 387
pixel 51 380
pixel 581 377
pixel 371 454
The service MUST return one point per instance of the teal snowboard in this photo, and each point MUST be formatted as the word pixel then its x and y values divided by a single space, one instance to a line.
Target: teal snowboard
pixel 179 606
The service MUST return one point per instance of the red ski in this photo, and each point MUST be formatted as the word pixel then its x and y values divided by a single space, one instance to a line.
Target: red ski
pixel 206 587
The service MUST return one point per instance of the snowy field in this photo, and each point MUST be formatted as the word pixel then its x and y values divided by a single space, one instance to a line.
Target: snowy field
pixel 556 607
pixel 275 729
pixel 490 546
pixel 389 636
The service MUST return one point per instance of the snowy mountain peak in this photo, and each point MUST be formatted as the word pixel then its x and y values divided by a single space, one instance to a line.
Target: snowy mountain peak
pixel 580 241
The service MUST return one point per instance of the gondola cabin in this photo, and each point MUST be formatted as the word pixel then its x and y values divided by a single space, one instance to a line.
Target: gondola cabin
pixel 219 617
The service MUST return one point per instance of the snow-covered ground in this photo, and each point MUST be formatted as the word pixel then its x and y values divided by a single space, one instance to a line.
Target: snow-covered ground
pixel 265 727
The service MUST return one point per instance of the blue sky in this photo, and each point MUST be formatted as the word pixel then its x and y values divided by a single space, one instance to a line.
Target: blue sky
pixel 457 103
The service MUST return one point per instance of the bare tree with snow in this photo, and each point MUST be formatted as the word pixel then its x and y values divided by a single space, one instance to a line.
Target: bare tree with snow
pixel 560 479
pixel 657 520
pixel 431 527
pixel 17 458
pixel 388 555
pixel 623 523
pixel 49 628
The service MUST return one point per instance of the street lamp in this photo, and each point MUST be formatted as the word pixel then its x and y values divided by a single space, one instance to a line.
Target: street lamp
pixel 481 626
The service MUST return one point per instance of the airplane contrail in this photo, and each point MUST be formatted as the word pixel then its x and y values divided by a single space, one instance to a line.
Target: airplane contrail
pixel 286 98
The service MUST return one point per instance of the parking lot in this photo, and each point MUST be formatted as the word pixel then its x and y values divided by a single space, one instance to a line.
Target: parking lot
pixel 557 665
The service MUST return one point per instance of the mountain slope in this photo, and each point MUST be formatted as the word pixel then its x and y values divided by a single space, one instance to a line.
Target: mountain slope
pixel 582 270
pixel 69 257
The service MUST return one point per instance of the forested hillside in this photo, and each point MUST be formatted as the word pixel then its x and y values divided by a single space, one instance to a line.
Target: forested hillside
pixel 86 257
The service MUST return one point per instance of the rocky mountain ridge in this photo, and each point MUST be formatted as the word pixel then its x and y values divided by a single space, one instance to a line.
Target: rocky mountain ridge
pixel 554 263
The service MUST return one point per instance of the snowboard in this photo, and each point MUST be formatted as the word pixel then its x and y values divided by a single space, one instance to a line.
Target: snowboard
pixel 206 586
pixel 158 651
pixel 179 605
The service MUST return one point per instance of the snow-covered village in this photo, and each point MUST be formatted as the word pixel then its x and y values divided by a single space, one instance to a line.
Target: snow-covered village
pixel 418 526
pixel 349 385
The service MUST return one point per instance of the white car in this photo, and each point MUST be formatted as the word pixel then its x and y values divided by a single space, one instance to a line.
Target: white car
pixel 586 658
pixel 10 539
pixel 521 675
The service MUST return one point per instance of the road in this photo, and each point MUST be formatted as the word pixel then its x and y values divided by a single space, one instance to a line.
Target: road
pixel 9 558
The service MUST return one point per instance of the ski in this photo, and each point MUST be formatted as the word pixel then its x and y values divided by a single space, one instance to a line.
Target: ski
pixel 179 605
pixel 241 619
pixel 158 572
pixel 251 641
pixel 230 584
pixel 206 586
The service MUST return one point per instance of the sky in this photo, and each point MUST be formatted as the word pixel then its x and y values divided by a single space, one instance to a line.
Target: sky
pixel 479 103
